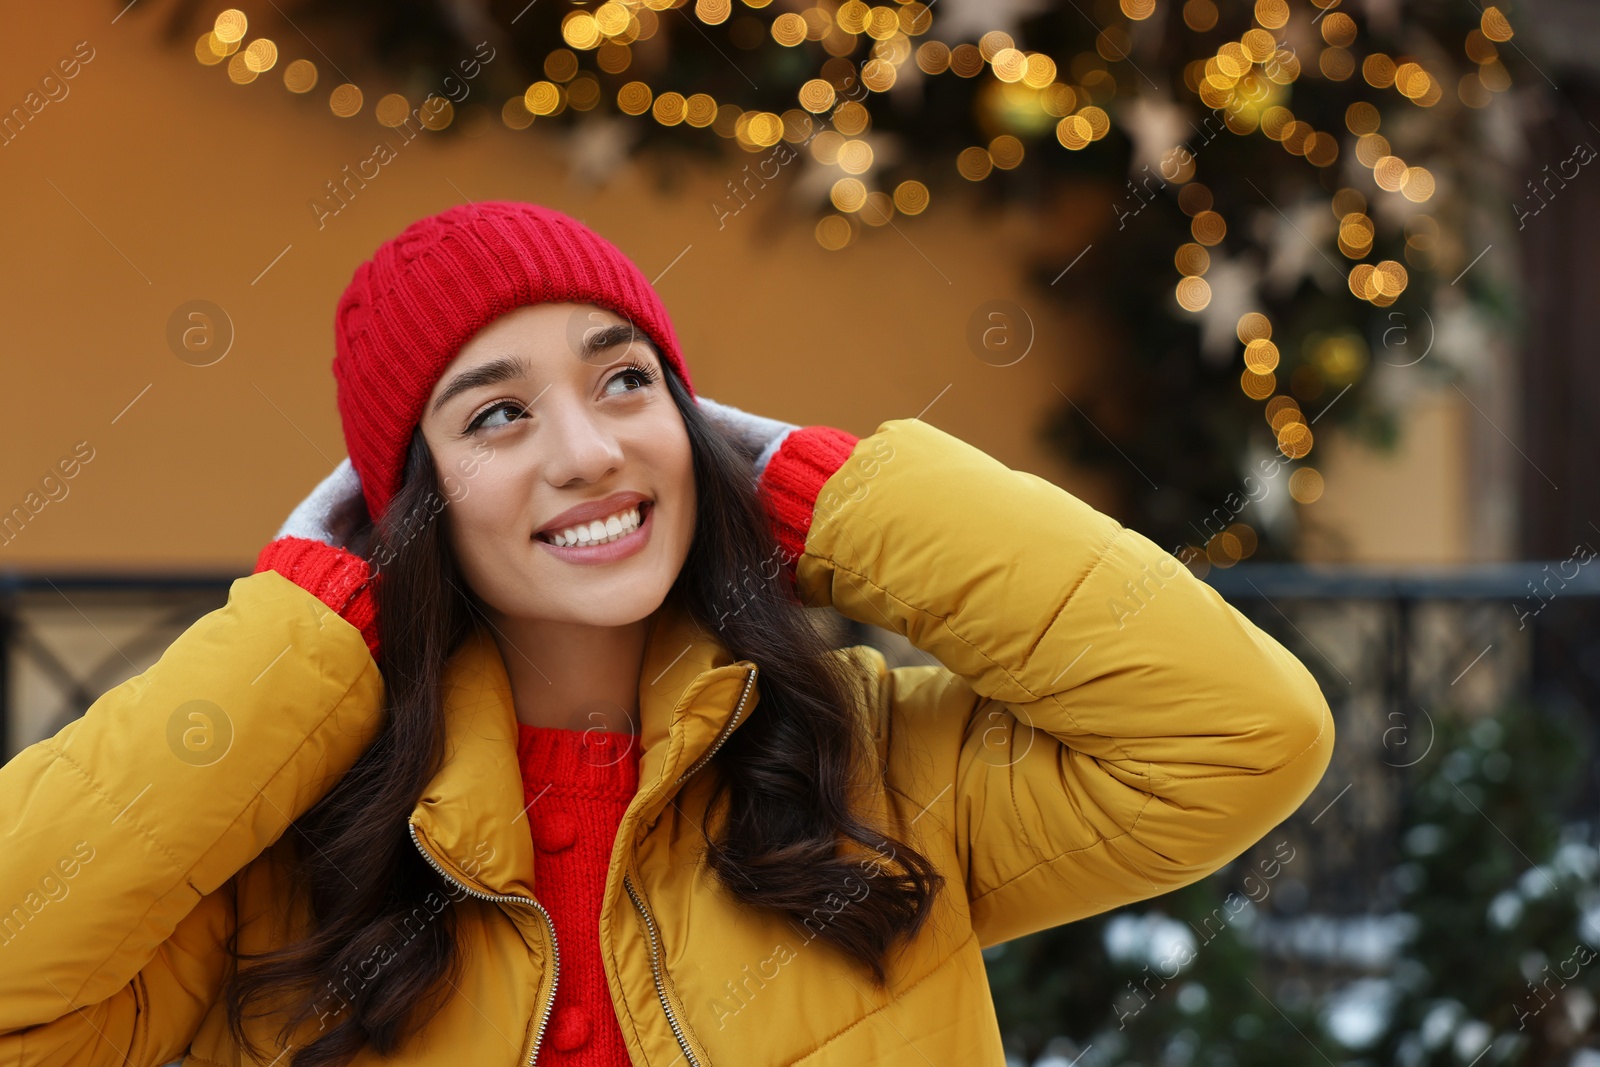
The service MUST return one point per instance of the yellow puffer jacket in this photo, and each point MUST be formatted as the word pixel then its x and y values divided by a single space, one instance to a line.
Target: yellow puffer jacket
pixel 1103 728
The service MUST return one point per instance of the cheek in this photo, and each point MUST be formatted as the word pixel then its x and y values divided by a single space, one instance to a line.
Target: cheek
pixel 482 522
pixel 663 458
pixel 686 516
pixel 684 490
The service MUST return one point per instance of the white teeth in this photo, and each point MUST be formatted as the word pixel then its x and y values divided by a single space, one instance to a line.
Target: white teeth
pixel 599 532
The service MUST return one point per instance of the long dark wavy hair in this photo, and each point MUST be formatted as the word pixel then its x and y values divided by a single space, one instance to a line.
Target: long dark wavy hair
pixel 791 840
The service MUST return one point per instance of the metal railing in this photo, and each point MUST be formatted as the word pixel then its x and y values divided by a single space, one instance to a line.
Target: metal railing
pixel 1386 645
pixel 1392 649
pixel 65 639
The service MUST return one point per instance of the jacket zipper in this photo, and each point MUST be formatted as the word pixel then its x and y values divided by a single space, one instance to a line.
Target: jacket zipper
pixel 733 720
pixel 555 971
pixel 655 972
pixel 637 898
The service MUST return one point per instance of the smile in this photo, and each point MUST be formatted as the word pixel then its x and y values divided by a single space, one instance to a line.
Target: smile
pixel 598 532
pixel 603 540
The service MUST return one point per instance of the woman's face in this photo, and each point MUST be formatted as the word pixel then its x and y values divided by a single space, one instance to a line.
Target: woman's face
pixel 550 408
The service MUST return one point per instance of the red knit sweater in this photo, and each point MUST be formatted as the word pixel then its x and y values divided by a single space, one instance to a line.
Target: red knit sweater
pixel 577 784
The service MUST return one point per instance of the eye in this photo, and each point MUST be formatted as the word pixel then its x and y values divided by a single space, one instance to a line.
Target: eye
pixel 642 374
pixel 483 417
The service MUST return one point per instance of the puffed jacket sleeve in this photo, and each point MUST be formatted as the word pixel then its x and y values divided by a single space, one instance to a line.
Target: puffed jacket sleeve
pixel 121 836
pixel 1104 726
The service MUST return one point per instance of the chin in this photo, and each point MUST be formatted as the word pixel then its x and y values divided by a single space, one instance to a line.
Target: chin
pixel 600 607
pixel 623 615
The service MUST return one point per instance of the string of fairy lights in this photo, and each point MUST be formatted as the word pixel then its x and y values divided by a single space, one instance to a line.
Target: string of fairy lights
pixel 1246 81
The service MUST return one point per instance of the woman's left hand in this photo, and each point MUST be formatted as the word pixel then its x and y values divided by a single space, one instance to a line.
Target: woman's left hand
pixel 791 464
pixel 322 547
pixel 759 438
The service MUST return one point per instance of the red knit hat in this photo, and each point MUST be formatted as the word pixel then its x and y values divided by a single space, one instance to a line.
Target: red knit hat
pixel 425 293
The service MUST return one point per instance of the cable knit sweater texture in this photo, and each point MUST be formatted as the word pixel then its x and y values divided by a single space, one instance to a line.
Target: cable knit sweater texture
pixel 577 785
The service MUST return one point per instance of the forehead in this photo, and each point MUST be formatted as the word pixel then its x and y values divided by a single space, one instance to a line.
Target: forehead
pixel 547 337
pixel 542 329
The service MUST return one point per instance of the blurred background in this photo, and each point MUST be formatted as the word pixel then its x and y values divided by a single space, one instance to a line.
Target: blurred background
pixel 1297 288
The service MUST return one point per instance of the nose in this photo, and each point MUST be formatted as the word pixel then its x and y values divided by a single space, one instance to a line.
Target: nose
pixel 580 445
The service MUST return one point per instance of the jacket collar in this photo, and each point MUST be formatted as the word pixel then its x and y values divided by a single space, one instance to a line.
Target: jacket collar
pixel 470 818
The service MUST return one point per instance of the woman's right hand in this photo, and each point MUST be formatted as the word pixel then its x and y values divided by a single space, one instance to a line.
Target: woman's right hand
pixel 321 547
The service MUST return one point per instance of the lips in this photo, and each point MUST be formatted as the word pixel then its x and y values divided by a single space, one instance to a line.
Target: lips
pixel 595 509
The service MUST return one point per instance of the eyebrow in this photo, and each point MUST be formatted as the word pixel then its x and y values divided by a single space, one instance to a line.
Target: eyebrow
pixel 508 368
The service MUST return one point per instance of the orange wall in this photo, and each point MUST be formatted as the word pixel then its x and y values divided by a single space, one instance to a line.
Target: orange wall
pixel 156 181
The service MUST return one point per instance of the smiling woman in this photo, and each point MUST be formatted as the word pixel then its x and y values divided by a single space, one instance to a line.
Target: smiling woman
pixel 543 710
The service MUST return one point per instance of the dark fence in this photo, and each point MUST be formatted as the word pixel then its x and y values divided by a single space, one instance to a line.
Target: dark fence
pixel 1395 652
pixel 67 638
pixel 1387 646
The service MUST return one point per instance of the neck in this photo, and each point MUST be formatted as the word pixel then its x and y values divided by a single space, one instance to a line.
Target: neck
pixel 571 676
